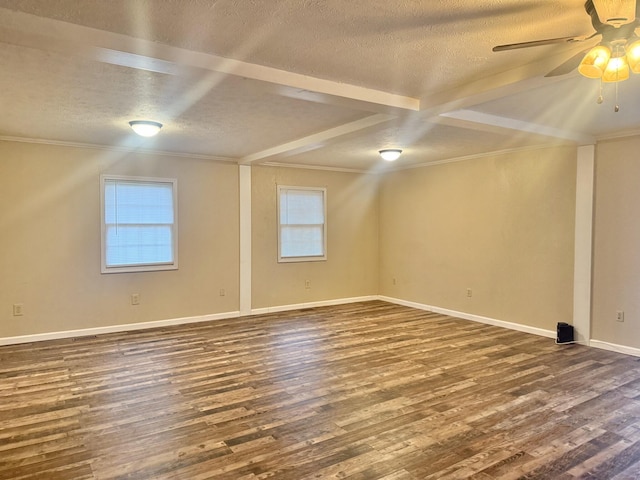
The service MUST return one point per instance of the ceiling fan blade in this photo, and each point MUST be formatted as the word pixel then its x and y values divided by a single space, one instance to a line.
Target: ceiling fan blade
pixel 568 66
pixel 537 43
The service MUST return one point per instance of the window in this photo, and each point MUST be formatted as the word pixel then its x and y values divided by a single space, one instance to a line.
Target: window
pixel 139 224
pixel 302 228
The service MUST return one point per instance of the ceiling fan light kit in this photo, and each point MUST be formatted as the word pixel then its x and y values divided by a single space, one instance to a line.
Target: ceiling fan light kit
pixel 595 62
pixel 618 53
pixel 633 56
pixel 617 70
pixel 599 62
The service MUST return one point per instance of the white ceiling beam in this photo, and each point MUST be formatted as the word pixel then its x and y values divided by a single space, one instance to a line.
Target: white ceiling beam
pixel 27 30
pixel 485 89
pixel 449 107
pixel 452 107
pixel 317 139
pixel 469 118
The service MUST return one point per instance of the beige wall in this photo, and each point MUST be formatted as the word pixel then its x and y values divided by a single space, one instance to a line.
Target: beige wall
pixel 616 262
pixel 502 226
pixel 351 269
pixel 50 241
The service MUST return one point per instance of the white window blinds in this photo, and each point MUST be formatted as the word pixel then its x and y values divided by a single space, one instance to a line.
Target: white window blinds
pixel 302 225
pixel 139 227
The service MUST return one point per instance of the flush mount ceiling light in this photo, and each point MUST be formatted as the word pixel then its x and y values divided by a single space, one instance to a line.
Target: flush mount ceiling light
pixel 390 154
pixel 145 128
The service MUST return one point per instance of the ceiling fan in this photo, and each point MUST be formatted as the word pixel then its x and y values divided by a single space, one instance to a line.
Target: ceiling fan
pixel 617 53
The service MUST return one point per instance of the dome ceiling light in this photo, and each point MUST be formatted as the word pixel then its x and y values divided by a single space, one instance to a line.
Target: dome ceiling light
pixel 390 154
pixel 145 128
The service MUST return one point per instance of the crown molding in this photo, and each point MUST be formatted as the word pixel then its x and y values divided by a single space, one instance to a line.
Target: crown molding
pixel 118 148
pixel 482 155
pixel 312 167
pixel 621 134
pixel 228 160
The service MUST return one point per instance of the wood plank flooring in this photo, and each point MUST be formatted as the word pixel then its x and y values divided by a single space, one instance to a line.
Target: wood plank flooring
pixel 361 391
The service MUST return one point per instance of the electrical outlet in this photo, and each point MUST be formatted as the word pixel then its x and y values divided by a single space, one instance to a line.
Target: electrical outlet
pixel 620 316
pixel 222 292
pixel 469 292
pixel 135 299
pixel 307 284
pixel 17 310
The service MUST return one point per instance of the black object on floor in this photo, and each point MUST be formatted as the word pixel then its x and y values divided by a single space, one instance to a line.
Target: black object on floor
pixel 565 333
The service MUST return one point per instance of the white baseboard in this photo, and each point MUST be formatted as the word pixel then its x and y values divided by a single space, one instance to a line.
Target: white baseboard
pixel 283 308
pixel 322 303
pixel 38 337
pixel 612 347
pixel 475 318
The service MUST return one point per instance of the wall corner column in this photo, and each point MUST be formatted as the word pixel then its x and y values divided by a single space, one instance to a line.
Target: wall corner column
pixel 245 239
pixel 583 247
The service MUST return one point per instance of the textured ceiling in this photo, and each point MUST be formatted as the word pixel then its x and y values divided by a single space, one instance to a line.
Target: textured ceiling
pixel 402 46
pixel 301 82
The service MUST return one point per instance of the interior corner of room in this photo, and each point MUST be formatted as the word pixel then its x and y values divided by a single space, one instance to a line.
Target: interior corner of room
pixel 501 208
pixel 496 239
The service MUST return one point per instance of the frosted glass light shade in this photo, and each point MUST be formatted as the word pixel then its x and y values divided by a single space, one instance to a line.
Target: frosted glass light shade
pixel 633 56
pixel 617 70
pixel 145 128
pixel 595 62
pixel 390 154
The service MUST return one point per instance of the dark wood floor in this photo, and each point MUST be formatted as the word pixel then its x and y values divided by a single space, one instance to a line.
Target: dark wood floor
pixel 360 391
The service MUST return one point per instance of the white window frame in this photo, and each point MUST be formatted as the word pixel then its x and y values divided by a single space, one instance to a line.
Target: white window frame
pixel 306 258
pixel 151 267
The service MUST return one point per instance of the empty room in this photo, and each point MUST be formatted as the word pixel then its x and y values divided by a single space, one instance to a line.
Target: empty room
pixel 304 239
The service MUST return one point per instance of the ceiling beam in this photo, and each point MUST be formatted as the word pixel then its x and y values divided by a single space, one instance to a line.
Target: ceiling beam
pixel 28 30
pixel 484 121
pixel 317 139
pixel 502 84
pixel 449 107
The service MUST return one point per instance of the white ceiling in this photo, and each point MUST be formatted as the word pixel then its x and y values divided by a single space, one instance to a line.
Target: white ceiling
pixel 319 83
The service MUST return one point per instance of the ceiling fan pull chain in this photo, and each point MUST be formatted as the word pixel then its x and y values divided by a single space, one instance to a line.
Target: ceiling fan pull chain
pixel 617 107
pixel 600 97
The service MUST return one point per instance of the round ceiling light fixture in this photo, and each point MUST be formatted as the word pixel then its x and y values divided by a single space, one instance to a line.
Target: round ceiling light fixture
pixel 390 154
pixel 145 128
